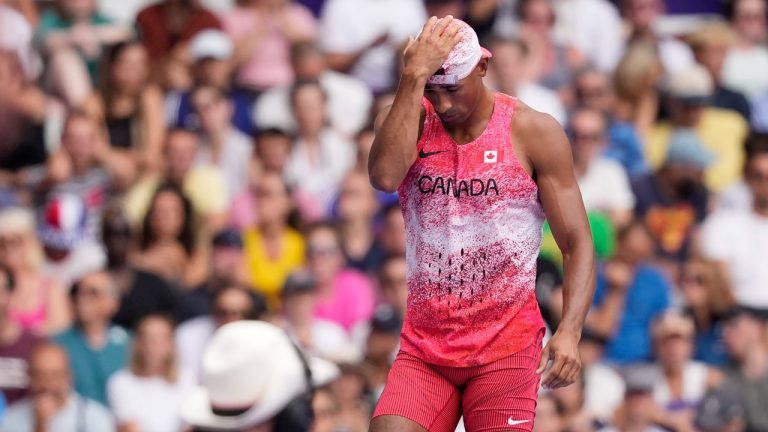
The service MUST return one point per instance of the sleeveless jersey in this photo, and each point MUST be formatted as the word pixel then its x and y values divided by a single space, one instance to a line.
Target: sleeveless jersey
pixel 473 224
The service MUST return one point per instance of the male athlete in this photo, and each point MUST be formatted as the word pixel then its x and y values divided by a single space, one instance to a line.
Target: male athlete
pixel 476 172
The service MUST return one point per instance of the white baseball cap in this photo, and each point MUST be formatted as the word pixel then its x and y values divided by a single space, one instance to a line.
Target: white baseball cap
pixel 463 57
pixel 250 372
pixel 211 44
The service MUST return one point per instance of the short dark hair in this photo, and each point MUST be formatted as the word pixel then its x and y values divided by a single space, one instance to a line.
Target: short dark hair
pixel 258 303
pixel 8 276
pixel 755 145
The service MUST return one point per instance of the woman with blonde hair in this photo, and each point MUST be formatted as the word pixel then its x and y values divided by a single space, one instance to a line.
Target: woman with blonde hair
pixel 635 82
pixel 146 395
pixel 707 297
pixel 38 304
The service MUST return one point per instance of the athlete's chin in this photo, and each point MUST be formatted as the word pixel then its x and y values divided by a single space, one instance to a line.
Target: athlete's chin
pixel 452 118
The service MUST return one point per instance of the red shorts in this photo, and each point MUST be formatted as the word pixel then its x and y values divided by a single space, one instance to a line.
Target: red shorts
pixel 499 396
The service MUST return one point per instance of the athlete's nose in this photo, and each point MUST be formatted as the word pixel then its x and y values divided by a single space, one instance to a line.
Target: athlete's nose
pixel 443 105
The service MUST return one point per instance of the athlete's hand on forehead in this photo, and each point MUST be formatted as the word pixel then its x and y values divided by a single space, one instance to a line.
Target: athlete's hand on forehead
pixel 424 55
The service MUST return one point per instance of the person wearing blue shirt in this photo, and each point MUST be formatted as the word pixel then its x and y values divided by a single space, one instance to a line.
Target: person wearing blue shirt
pixel 97 348
pixel 629 295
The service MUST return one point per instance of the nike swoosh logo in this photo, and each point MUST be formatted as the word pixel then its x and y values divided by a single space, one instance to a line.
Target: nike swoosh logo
pixel 423 154
pixel 513 422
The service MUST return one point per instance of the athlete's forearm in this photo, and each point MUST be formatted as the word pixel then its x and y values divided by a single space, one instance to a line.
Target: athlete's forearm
pixel 394 148
pixel 579 285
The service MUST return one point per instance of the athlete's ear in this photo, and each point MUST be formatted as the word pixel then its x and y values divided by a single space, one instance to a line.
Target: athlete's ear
pixel 482 66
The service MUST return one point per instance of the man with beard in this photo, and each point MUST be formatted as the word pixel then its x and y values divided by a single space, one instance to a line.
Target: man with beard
pixel 672 200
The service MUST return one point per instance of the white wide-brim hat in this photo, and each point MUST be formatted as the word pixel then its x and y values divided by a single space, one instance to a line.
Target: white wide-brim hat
pixel 250 372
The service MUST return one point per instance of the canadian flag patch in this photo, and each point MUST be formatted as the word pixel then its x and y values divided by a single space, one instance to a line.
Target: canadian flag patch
pixel 490 156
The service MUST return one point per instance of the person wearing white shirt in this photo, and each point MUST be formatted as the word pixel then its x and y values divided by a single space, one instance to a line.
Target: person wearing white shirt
pixel 363 37
pixel 223 145
pixel 147 395
pixel 594 28
pixel 738 238
pixel 511 71
pixel 349 100
pixel 321 156
pixel 603 182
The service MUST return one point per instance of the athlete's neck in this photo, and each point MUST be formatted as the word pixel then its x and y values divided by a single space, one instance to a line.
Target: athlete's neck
pixel 479 119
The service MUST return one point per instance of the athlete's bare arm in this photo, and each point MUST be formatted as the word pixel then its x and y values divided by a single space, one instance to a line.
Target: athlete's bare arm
pixel 398 127
pixel 547 150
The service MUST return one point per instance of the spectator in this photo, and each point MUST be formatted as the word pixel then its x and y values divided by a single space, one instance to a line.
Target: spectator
pixel 204 185
pixel 684 381
pixel 169 245
pixel 393 285
pixel 16 345
pixel 345 296
pixel 321 157
pixel 243 210
pixel 594 28
pixel 266 368
pixel 273 147
pixel 721 410
pixel 643 18
pixel 165 25
pixel 141 293
pixel 213 65
pixel 230 303
pixel 749 56
pixel 553 62
pixel 96 347
pixel 710 46
pixel 630 294
pixel 364 37
pixel 549 414
pixel 263 32
pixel 736 238
pixel 272 248
pixel 318 336
pixel 603 182
pixel 381 345
pixel 392 234
pixel 129 105
pixel 604 387
pixel 673 201
pixel 722 131
pixel 635 81
pixel 349 100
pixel 357 206
pixel 53 405
pixel 706 296
pixel 72 35
pixel 223 145
pixel 326 409
pixel 352 396
pixel 37 304
pixel 68 252
pixel 575 413
pixel 147 394
pixel 363 142
pixel 638 409
pixel 746 337
pixel 227 269
pixel 84 166
pixel 593 90
pixel 514 75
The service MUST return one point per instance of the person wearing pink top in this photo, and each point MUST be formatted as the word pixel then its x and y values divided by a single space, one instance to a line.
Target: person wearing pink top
pixel 263 32
pixel 344 296
pixel 476 172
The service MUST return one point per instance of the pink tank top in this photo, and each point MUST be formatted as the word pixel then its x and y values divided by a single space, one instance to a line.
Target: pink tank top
pixel 473 224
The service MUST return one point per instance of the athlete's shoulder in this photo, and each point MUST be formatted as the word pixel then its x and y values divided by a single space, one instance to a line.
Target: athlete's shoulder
pixel 527 121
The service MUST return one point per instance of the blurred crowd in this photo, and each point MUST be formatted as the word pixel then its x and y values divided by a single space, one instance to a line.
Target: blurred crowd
pixel 167 167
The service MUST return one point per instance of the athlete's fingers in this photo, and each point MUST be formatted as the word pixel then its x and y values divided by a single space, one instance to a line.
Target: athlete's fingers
pixel 543 361
pixel 426 31
pixel 452 31
pixel 441 26
pixel 554 371
pixel 410 43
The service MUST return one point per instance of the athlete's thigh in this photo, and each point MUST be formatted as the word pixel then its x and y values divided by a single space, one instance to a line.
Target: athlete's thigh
pixel 503 396
pixel 417 395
